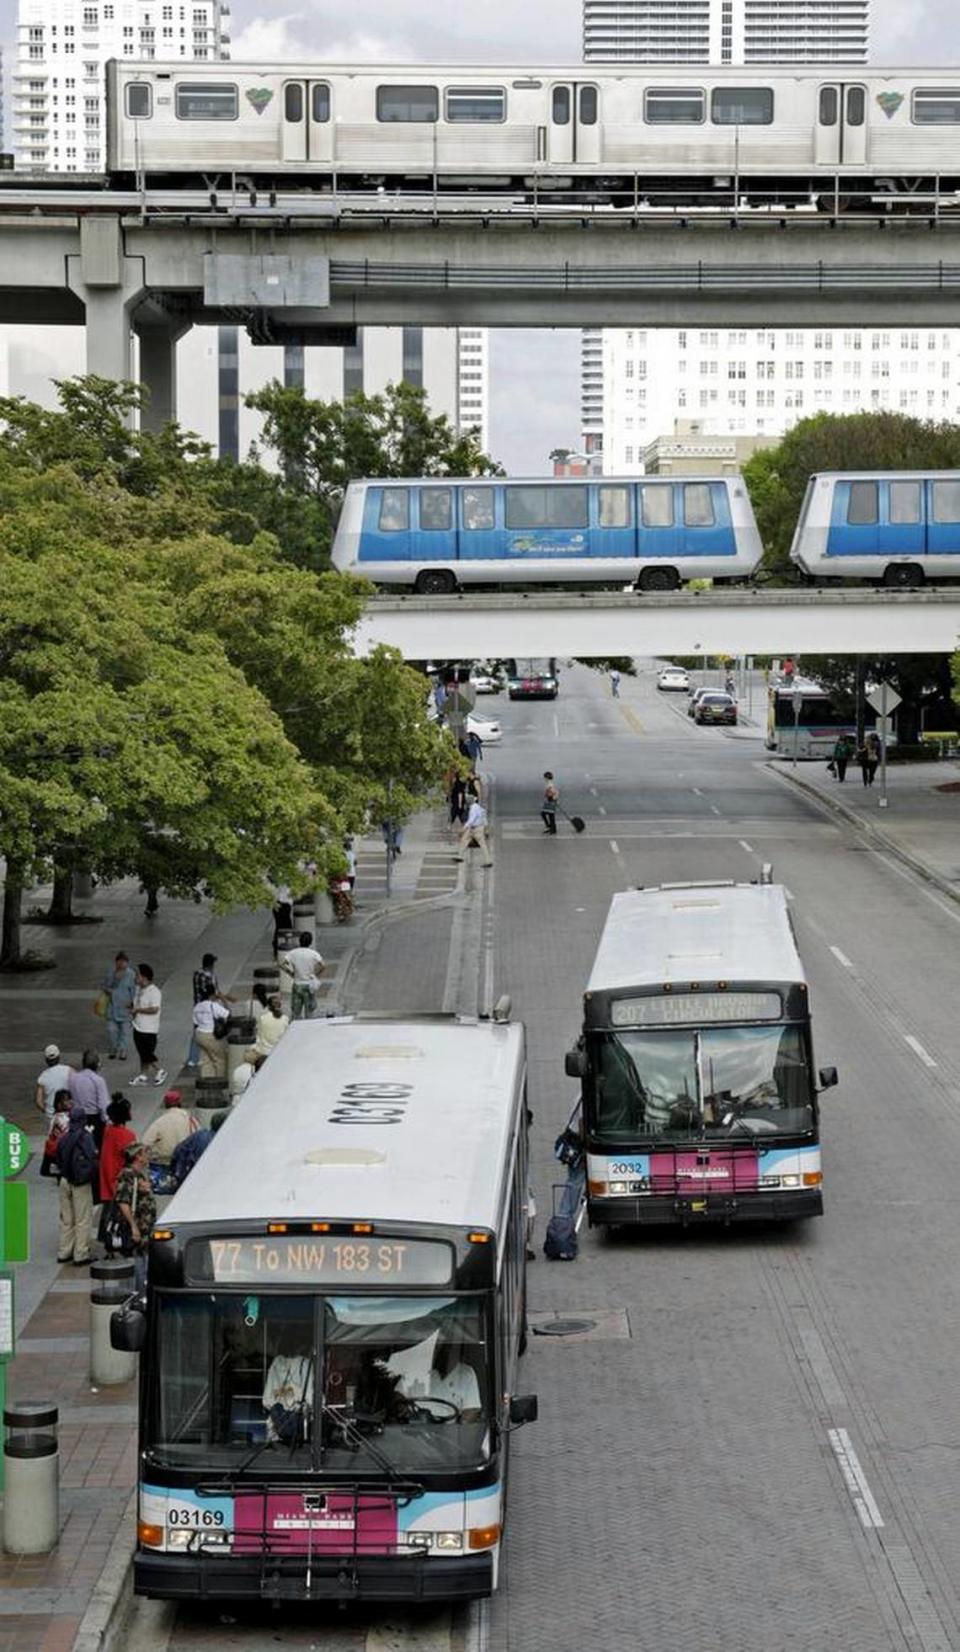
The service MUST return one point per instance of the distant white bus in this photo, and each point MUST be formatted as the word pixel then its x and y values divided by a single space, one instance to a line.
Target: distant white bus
pixel 335 1313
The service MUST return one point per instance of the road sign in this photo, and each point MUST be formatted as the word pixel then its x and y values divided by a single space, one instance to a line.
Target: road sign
pixel 16 1223
pixel 884 699
pixel 14 1150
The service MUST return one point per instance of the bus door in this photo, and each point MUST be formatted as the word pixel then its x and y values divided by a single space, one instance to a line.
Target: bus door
pixel 841 136
pixel 433 536
pixel 480 539
pixel 943 516
pixel 573 135
pixel 307 124
pixel 658 531
pixel 613 531
pixel 901 530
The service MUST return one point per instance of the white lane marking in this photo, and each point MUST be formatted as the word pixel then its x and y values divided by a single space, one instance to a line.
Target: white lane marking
pixel 788 893
pixel 696 791
pixel 919 1050
pixel 856 1481
pixel 615 846
pixel 601 809
pixel 845 961
pixel 745 845
pixel 713 809
pixel 594 792
pixel 556 726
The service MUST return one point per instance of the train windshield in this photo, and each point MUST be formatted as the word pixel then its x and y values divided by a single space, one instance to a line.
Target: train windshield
pixel 341 1384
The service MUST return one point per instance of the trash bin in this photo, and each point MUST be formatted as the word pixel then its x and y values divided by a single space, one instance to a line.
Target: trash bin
pixel 31 1466
pixel 210 1095
pixel 112 1283
pixel 238 1043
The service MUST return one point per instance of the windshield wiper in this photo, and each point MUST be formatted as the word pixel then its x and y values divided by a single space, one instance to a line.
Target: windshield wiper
pixel 355 1437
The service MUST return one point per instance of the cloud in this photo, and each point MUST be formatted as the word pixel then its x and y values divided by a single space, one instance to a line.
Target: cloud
pixel 268 39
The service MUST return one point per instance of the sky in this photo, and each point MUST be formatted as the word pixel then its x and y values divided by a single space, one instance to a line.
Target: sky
pixel 535 389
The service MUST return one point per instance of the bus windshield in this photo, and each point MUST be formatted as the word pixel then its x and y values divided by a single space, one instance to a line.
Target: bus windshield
pixel 735 1082
pixel 295 1382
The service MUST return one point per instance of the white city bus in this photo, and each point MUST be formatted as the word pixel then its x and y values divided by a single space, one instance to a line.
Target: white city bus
pixel 333 1322
pixel 699 1085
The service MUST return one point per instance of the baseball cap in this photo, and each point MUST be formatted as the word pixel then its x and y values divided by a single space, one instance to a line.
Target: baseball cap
pixel 172 1098
pixel 132 1149
pixel 51 1052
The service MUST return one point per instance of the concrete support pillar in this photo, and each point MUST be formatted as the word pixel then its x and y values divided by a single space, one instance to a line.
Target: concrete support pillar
pixel 158 371
pixel 109 284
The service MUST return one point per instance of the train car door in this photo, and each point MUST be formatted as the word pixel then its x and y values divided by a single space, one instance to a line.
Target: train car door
pixel 574 130
pixel 307 123
pixel 841 138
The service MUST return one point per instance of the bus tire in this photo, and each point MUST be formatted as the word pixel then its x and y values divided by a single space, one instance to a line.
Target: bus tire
pixel 902 576
pixel 658 579
pixel 435 582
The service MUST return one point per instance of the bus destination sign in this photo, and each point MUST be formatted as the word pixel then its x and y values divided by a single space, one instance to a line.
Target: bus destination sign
pixel 309 1259
pixel 694 1009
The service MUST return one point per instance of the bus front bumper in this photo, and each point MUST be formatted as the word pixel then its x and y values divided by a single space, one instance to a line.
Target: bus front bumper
pixel 330 1577
pixel 659 1209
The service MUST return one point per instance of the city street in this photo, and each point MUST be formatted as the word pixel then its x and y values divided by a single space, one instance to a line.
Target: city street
pixel 754 1443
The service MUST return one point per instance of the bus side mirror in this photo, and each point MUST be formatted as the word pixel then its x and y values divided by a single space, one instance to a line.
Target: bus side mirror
pixel 827 1077
pixel 575 1063
pixel 523 1409
pixel 128 1329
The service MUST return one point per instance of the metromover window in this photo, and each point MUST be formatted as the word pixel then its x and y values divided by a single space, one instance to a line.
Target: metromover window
pixel 698 509
pixel 196 101
pixel 656 505
pixel 408 103
pixel 933 106
pixel 139 96
pixel 561 106
pixel 672 106
pixel 394 510
pixel 905 502
pixel 588 106
pixel 475 103
pixel 946 501
pixel 436 510
pixel 741 106
pixel 856 105
pixel 478 509
pixel 829 105
pixel 862 504
pixel 293 101
pixel 614 507
pixel 540 507
pixel 319 103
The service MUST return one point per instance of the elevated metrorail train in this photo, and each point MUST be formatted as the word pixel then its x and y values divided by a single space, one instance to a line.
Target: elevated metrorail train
pixel 679 133
pixel 436 534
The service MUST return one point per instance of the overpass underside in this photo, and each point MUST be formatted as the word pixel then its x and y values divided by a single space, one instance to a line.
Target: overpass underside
pixel 503 625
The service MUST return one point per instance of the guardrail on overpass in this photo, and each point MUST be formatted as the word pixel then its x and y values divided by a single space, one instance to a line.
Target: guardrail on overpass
pixel 501 625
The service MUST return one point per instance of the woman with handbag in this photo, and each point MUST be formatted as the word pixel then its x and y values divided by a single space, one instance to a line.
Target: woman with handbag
pixel 210 1020
pixel 133 1212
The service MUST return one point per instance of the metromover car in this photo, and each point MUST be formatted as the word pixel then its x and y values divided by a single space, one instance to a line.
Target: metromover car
pixel 699 1098
pixel 333 1321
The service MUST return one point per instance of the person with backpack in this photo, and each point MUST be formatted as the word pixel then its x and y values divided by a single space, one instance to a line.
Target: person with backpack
pixel 76 1159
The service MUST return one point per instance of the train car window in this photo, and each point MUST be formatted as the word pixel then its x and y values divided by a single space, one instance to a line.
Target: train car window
pixel 139 96
pixel 904 501
pixel 588 106
pixel 829 106
pixel 195 101
pixel 741 106
pixel 478 512
pixel 476 103
pixel 946 501
pixel 936 106
pixel 561 106
pixel 394 510
pixel 856 106
pixel 409 103
pixel 698 511
pixel 436 510
pixel 656 505
pixel 670 106
pixel 862 503
pixel 293 101
pixel 614 507
pixel 546 507
pixel 319 103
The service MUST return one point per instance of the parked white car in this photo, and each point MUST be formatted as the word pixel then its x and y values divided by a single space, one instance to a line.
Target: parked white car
pixel 675 678
pixel 485 682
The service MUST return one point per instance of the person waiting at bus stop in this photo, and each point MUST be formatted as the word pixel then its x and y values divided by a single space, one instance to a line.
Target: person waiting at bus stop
pixel 842 753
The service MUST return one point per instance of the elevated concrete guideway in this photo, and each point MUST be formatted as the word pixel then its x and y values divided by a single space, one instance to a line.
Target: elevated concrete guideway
pixel 595 626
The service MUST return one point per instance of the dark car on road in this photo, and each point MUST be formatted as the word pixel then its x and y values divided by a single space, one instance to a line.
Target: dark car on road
pixel 715 708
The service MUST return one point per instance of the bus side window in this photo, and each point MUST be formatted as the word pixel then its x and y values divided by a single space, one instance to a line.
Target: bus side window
pixel 436 510
pixel 656 505
pixel 904 502
pixel 478 513
pixel 614 507
pixel 698 507
pixel 862 504
pixel 394 510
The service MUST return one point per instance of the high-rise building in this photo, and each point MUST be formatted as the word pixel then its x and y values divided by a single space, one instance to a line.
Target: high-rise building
pixel 635 383
pixel 59 116
pixel 726 31
pixel 2 125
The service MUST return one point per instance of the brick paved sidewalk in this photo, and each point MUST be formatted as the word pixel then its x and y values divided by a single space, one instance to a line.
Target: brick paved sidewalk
pixel 43 1600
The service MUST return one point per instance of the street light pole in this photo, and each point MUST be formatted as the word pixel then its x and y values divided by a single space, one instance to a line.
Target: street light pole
pixel 797 698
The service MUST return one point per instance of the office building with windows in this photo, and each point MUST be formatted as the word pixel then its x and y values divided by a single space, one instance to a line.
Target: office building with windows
pixel 726 31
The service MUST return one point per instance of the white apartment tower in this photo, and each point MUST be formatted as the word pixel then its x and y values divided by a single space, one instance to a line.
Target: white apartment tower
pixel 59 120
pixel 726 31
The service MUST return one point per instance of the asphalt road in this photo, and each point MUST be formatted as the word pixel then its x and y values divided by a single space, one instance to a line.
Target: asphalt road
pixel 756 1445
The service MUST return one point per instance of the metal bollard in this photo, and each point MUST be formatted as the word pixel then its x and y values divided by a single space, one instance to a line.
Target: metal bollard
pixel 238 1043
pixel 112 1282
pixel 210 1095
pixel 31 1464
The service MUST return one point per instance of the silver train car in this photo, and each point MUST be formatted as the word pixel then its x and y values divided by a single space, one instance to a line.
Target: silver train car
pixel 899 528
pixel 625 134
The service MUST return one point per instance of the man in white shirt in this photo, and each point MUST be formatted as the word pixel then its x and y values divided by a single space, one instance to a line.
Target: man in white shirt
pixel 146 1026
pixel 475 831
pixel 55 1076
pixel 168 1129
pixel 305 965
pixel 423 1374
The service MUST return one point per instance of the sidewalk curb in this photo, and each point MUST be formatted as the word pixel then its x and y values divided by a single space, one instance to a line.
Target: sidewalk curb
pixel 880 839
pixel 104 1621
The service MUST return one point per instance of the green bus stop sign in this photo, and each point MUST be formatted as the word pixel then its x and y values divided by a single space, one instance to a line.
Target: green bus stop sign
pixel 14 1150
pixel 16 1223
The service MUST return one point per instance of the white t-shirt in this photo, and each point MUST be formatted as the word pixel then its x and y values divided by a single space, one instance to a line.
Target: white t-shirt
pixel 50 1081
pixel 303 963
pixel 207 1012
pixel 148 998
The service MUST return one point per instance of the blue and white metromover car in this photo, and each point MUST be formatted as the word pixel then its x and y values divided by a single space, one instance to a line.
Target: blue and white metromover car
pixel 437 534
pixel 900 527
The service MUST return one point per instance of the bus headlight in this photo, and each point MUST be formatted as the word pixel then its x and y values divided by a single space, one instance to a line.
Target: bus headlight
pixel 770 1181
pixel 618 1187
pixel 419 1540
pixel 180 1537
pixel 791 1181
pixel 449 1540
